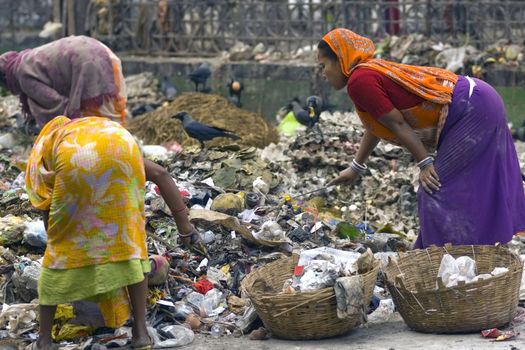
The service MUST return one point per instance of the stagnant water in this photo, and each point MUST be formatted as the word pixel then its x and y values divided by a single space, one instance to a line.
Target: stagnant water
pixel 266 96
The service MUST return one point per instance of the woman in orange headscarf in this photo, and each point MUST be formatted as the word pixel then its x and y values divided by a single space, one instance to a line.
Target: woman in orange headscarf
pixel 455 127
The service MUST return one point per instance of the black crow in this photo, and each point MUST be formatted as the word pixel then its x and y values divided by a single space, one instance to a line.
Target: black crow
pixel 314 105
pixel 300 113
pixel 307 118
pixel 202 132
pixel 235 88
pixel 145 108
pixel 201 75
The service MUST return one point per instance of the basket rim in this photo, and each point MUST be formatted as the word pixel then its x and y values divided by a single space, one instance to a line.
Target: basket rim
pixel 317 293
pixel 515 267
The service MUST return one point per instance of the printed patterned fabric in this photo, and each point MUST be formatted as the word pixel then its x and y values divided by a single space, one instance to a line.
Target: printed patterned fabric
pixel 89 174
pixel 432 84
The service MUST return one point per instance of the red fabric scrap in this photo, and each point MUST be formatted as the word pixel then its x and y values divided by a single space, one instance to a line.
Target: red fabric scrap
pixel 203 286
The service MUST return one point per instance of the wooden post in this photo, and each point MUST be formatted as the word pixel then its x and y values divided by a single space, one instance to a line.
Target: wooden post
pixel 57 12
pixel 71 17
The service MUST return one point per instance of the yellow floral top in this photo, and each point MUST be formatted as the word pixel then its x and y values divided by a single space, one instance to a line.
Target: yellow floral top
pixel 89 174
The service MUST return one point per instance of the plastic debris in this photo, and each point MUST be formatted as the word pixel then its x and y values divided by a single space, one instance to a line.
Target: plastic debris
pixel 35 234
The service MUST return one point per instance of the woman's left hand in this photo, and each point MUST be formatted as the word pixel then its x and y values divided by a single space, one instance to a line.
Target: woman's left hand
pixel 187 230
pixel 429 179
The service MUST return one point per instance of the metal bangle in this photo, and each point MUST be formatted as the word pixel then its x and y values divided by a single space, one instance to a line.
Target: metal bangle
pixel 358 168
pixel 422 164
pixel 182 235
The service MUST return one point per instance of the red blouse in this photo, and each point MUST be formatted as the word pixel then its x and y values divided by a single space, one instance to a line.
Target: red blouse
pixel 377 94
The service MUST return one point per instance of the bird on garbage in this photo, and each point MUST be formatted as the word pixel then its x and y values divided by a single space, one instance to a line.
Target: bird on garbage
pixel 307 118
pixel 314 104
pixel 143 109
pixel 235 88
pixel 168 89
pixel 299 112
pixel 202 132
pixel 200 76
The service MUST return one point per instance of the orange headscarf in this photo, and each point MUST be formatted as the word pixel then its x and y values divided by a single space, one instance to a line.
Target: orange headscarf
pixel 353 50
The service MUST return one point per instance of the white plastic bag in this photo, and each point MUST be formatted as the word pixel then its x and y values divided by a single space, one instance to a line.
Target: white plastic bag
pixel 342 258
pixel 35 233
pixel 384 311
pixel 210 305
pixel 271 231
pixel 317 274
pixel 448 270
pixel 453 270
pixel 467 268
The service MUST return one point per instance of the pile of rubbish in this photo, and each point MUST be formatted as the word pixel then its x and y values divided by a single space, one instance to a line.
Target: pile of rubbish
pixel 250 203
pixel 385 196
pixel 158 126
pixel 414 49
pixel 243 200
pixel 417 49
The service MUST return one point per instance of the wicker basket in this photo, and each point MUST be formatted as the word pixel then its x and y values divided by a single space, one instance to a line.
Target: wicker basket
pixel 412 281
pixel 302 315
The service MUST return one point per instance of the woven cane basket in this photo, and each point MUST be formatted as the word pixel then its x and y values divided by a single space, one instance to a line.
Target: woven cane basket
pixel 428 306
pixel 302 315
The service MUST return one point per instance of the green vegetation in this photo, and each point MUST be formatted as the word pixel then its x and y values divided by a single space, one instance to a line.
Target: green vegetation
pixel 514 98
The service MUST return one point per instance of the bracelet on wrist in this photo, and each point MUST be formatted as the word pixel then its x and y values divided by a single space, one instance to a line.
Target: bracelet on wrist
pixel 182 235
pixel 422 164
pixel 358 168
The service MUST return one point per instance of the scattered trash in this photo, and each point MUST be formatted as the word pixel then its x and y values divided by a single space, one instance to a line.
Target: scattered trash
pixel 216 331
pixel 384 311
pixel 349 295
pixel 203 286
pixel 463 269
pixel 499 335
pixel 35 234
pixel 253 202
pixel 159 270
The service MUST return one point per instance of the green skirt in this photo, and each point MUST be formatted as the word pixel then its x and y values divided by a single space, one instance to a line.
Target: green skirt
pixel 94 283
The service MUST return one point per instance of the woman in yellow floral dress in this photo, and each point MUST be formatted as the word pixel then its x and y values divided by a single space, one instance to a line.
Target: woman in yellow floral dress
pixel 88 176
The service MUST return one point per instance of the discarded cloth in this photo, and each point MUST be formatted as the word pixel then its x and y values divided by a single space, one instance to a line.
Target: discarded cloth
pixel 349 293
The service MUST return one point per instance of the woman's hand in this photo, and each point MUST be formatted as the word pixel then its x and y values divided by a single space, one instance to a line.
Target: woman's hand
pixel 188 235
pixel 185 228
pixel 346 176
pixel 429 179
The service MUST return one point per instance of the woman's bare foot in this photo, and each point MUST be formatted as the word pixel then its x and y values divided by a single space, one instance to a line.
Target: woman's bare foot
pixel 140 337
pixel 141 342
